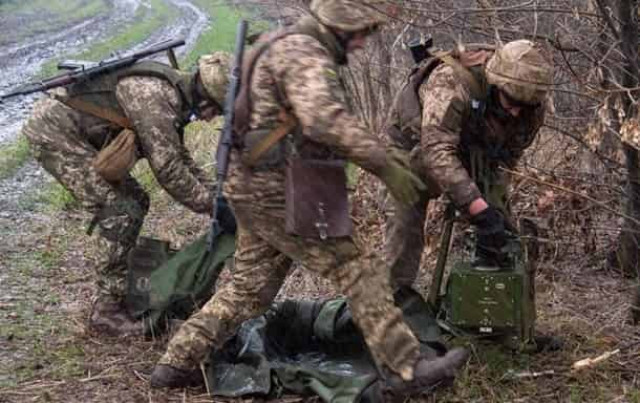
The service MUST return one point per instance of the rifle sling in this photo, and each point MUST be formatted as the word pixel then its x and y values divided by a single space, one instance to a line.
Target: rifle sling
pixel 101 112
pixel 289 122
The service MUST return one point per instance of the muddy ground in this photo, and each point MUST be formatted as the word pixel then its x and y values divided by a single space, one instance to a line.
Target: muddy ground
pixel 46 353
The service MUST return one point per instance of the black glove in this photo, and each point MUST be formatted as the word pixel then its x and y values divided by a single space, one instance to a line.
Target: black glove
pixel 225 217
pixel 491 238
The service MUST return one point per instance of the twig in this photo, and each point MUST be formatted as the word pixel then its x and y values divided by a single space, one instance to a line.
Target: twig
pixel 98 378
pixel 573 192
pixel 608 19
pixel 206 380
pixel 140 376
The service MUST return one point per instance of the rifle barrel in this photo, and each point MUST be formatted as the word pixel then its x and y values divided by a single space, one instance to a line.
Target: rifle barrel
pixel 101 68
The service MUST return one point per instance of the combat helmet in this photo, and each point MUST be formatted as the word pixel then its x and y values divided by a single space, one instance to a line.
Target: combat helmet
pixel 349 15
pixel 214 74
pixel 521 70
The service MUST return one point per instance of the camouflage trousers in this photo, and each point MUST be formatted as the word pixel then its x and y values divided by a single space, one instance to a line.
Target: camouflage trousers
pixel 264 254
pixel 57 140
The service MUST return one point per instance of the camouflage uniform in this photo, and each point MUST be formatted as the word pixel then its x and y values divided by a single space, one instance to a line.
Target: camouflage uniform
pixel 66 141
pixel 299 70
pixel 457 152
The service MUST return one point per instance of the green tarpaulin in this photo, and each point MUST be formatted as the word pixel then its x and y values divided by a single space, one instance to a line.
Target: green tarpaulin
pixel 182 284
pixel 302 347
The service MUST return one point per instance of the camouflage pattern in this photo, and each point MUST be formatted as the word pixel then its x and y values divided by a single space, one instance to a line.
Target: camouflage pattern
pixel 445 124
pixel 520 69
pixel 214 74
pixel 66 141
pixel 456 159
pixel 349 15
pixel 304 67
pixel 263 258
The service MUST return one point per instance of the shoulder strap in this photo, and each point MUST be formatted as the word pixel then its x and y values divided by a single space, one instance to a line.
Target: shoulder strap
pixel 288 123
pixel 243 105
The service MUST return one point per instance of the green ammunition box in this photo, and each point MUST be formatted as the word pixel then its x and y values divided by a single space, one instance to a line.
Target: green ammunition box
pixel 491 302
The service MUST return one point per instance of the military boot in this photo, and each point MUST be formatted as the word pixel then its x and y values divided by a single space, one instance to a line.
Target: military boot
pixel 428 373
pixel 166 376
pixel 110 317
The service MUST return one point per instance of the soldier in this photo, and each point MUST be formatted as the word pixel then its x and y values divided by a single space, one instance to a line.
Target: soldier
pixel 295 73
pixel 463 115
pixel 77 135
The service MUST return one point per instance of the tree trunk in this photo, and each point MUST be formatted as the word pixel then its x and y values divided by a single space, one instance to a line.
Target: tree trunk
pixel 628 256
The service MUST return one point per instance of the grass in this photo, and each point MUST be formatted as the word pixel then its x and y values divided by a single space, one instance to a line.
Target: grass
pixel 221 33
pixel 56 197
pixel 38 333
pixel 149 19
pixel 12 156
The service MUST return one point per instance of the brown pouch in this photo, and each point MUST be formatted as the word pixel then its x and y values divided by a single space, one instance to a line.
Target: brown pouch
pixel 316 198
pixel 116 160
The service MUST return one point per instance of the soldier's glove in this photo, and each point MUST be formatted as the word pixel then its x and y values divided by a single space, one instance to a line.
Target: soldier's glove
pixel 403 184
pixel 491 238
pixel 226 219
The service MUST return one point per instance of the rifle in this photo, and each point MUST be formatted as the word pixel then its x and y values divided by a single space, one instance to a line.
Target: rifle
pixel 83 72
pixel 226 136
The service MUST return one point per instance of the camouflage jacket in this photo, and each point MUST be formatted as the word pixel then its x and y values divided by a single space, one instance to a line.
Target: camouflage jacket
pixel 156 109
pixel 300 72
pixel 448 133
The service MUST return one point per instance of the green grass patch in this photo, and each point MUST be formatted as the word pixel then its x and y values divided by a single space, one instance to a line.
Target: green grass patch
pixel 37 336
pixel 148 20
pixel 221 33
pixel 57 197
pixel 13 156
pixel 50 258
pixel 144 175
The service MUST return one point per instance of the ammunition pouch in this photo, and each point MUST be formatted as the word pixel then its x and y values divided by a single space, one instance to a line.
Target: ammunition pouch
pixel 316 199
pixel 114 162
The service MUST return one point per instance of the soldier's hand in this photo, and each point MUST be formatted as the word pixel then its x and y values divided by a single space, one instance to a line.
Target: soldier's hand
pixel 491 238
pixel 403 184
